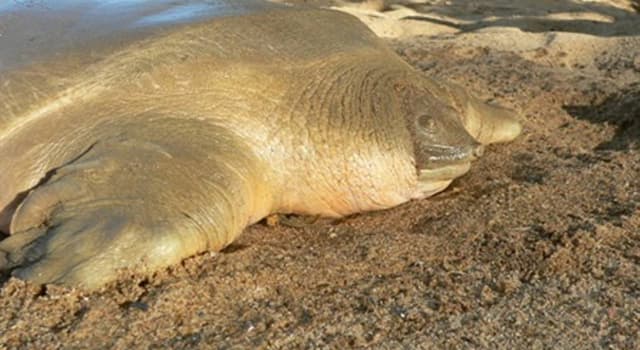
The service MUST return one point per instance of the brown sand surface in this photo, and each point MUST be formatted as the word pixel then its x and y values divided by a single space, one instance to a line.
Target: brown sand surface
pixel 538 247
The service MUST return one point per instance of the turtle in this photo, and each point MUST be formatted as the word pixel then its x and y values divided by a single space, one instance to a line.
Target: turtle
pixel 135 135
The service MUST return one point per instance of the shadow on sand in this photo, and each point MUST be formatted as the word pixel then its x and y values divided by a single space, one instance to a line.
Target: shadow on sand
pixel 534 16
pixel 622 110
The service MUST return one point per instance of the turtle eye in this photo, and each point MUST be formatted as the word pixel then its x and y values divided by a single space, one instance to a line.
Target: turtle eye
pixel 425 121
pixel 427 124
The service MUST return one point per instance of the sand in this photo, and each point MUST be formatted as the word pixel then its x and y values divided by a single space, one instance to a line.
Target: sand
pixel 538 247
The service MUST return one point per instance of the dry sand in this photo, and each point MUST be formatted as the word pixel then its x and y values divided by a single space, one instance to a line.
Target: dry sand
pixel 538 247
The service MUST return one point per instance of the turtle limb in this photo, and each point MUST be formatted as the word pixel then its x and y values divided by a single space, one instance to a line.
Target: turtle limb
pixel 142 200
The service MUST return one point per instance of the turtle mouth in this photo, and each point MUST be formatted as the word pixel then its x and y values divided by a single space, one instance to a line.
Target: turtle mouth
pixel 443 165
pixel 433 181
pixel 444 172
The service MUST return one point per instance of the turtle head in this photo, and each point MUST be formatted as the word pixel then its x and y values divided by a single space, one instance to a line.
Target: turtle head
pixel 449 127
pixel 443 148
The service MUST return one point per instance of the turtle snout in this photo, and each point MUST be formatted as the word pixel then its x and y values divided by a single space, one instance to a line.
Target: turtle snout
pixel 442 164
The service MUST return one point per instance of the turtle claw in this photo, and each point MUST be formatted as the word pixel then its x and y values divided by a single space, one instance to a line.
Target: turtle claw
pixel 16 249
pixel 90 246
pixel 73 250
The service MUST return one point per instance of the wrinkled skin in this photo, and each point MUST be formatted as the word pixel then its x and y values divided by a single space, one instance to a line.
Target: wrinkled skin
pixel 139 142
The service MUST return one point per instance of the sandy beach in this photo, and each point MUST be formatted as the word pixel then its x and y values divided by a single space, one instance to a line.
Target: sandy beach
pixel 538 247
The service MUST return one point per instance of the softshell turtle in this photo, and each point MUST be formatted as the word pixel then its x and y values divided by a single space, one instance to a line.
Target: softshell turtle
pixel 136 134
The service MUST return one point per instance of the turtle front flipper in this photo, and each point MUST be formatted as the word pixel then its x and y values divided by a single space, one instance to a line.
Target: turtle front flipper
pixel 141 198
